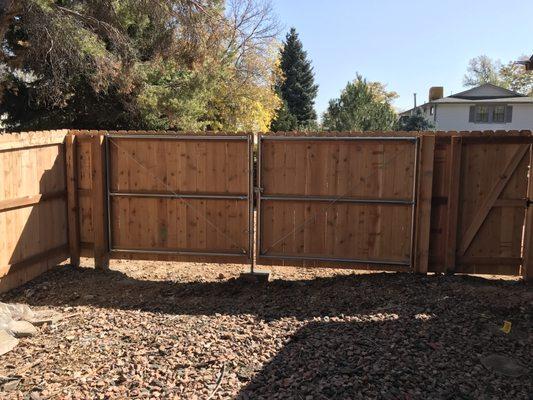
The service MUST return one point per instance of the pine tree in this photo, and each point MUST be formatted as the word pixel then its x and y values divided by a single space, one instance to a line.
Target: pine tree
pixel 298 90
pixel 285 121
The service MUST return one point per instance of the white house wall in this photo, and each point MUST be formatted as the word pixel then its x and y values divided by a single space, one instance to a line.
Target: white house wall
pixel 454 117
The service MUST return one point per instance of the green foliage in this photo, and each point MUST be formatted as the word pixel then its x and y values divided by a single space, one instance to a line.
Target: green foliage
pixel 362 106
pixel 415 122
pixel 139 64
pixel 297 88
pixel 284 121
pixel 483 69
pixel 515 77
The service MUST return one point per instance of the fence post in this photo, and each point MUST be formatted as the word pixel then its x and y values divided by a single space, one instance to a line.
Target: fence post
pixel 72 199
pixel 99 209
pixel 527 262
pixel 424 197
pixel 452 212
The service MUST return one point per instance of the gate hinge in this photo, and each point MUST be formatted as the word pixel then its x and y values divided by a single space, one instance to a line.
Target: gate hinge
pixel 258 189
pixel 529 202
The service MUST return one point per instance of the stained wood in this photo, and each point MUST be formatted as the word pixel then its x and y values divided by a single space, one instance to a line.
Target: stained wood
pixel 72 200
pixel 199 167
pixel 454 186
pixel 33 202
pixel 330 228
pixel 423 214
pixel 491 198
pixel 99 208
pixel 26 201
pixel 527 265
pixel 35 259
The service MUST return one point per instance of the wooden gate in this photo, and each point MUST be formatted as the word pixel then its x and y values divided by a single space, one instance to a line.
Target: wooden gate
pixel 180 197
pixel 485 183
pixel 327 200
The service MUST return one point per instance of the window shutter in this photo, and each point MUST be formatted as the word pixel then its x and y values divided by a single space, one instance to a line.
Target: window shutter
pixel 472 116
pixel 509 114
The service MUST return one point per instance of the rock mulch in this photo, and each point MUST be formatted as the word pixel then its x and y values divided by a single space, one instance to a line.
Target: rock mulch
pixel 192 331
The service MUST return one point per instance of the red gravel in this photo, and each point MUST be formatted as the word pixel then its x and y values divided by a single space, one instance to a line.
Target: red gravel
pixel 163 330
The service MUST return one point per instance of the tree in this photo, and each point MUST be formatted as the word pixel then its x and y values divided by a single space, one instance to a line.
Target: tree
pixel 284 121
pixel 138 64
pixel 415 122
pixel 516 78
pixel 483 69
pixel 362 106
pixel 297 86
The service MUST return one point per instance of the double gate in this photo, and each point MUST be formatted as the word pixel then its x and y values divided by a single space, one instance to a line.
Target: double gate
pixel 318 199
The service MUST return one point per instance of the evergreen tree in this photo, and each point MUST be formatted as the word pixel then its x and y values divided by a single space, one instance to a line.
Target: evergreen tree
pixel 362 106
pixel 285 121
pixel 298 89
pixel 415 122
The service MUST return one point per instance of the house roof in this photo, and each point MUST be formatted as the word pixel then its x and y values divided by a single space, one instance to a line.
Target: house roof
pixel 486 91
pixel 511 100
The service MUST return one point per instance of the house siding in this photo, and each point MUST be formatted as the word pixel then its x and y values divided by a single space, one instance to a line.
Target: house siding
pixel 454 117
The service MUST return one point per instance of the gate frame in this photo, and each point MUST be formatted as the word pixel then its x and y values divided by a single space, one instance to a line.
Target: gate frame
pixel 413 202
pixel 248 197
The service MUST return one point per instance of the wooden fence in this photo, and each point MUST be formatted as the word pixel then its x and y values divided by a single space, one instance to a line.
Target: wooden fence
pixel 424 202
pixel 33 205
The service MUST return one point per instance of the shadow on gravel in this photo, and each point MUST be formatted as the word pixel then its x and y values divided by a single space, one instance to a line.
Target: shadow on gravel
pixel 401 293
pixel 387 359
pixel 390 336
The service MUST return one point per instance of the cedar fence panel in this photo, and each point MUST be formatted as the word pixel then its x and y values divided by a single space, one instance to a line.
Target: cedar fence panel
pixel 33 213
pixel 336 200
pixel 180 197
pixel 479 204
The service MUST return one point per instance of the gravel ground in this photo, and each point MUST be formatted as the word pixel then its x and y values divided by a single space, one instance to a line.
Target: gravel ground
pixel 172 331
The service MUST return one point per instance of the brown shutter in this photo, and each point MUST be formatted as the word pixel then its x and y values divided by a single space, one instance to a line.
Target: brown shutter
pixel 509 114
pixel 472 117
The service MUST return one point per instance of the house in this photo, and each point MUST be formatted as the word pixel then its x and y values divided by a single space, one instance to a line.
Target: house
pixel 486 107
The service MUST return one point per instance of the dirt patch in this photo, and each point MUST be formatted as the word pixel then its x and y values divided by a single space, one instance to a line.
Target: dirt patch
pixel 166 330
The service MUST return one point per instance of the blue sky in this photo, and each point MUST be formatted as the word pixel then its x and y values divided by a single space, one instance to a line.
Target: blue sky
pixel 410 45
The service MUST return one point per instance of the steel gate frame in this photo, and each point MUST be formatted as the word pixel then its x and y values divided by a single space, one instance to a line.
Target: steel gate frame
pixel 260 197
pixel 248 197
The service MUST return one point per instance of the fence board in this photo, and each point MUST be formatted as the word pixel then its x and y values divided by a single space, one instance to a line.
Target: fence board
pixel 33 223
